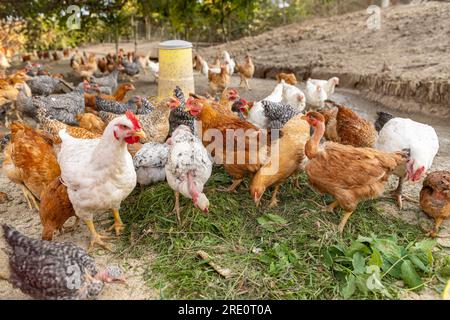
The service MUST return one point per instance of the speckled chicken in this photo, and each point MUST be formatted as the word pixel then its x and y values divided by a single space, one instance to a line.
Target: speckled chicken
pixel 55 270
pixel 178 115
pixel 188 168
pixel 435 198
pixel 43 85
pixel 278 113
pixel 130 68
pixel 108 81
pixel 149 163
pixel 136 104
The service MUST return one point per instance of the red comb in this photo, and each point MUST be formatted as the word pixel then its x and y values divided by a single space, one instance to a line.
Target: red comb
pixel 190 100
pixel 130 115
pixel 243 101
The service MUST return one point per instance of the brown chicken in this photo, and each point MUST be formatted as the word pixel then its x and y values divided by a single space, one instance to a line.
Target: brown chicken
pixel 219 81
pixel 246 71
pixel 435 198
pixel 85 70
pixel 349 174
pixel 55 209
pixel 119 95
pixel 91 122
pixel 102 64
pixel 30 161
pixel 286 158
pixel 240 160
pixel 343 125
pixel 289 78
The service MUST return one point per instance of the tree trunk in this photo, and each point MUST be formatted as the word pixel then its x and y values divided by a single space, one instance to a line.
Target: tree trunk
pixel 117 39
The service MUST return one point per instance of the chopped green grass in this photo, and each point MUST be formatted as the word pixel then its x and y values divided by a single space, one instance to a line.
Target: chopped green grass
pixel 280 259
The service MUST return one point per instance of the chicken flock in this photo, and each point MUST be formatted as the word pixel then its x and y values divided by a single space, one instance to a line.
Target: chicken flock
pixel 93 145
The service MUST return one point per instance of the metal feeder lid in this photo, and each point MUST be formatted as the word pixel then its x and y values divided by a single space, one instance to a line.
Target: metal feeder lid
pixel 174 44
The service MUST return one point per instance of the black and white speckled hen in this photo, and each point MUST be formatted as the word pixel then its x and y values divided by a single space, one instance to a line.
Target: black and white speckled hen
pixel 136 104
pixel 278 114
pixel 130 68
pixel 43 85
pixel 55 270
pixel 178 115
pixel 149 163
pixel 108 81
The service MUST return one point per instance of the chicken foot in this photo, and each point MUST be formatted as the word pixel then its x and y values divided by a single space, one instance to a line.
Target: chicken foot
pixel 29 195
pixel 118 225
pixel 397 194
pixel 330 208
pixel 434 233
pixel 96 237
pixel 274 200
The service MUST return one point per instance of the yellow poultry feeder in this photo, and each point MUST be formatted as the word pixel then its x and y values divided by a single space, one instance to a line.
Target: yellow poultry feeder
pixel 175 67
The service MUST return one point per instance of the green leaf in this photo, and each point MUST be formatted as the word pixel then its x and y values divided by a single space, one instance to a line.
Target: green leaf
pixel 373 282
pixel 355 247
pixel 327 258
pixel 375 258
pixel 359 264
pixel 272 222
pixel 418 263
pixel 409 275
pixel 276 218
pixel 425 245
pixel 361 285
pixel 350 288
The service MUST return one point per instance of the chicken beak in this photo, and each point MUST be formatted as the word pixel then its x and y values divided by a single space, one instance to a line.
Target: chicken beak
pixel 140 133
pixel 303 118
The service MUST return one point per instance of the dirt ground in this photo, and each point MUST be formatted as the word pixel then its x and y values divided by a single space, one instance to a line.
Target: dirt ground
pixel 405 64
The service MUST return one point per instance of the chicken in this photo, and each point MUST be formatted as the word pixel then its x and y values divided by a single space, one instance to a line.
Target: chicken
pixel 256 114
pixel 99 173
pixel 219 81
pixel 240 108
pixel 327 85
pixel 102 64
pixel 30 161
pixel 55 209
pixel 347 173
pixel 205 68
pixel 188 168
pixel 149 163
pixel 119 95
pixel 435 198
pixel 382 119
pixel 130 68
pixel 55 270
pixel 91 122
pixel 88 69
pixel 244 157
pixel 285 159
pixel 315 95
pixel 277 114
pixel 229 62
pixel 178 114
pixel 289 78
pixel 343 125
pixel 43 85
pixel 52 127
pixel 246 71
pixel 154 124
pixel 294 97
pixel 136 104
pixel 420 140
pixel 108 81
pixel 62 107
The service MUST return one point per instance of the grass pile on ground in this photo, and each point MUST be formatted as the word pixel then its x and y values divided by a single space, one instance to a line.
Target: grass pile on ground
pixel 279 253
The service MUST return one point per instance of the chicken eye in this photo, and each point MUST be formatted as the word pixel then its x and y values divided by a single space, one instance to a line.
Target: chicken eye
pixel 123 127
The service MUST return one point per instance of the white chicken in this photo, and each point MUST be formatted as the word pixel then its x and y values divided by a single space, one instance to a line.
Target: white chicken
pixel 149 163
pixel 188 168
pixel 4 64
pixel 419 139
pixel 231 63
pixel 205 68
pixel 294 96
pixel 315 95
pixel 327 85
pixel 256 114
pixel 99 173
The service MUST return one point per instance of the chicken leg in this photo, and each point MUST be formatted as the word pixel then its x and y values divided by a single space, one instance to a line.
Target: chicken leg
pixel 330 208
pixel 28 195
pixel 437 223
pixel 274 200
pixel 397 194
pixel 177 206
pixel 344 221
pixel 233 187
pixel 96 237
pixel 118 224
